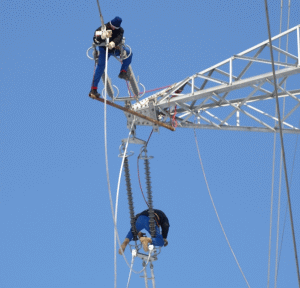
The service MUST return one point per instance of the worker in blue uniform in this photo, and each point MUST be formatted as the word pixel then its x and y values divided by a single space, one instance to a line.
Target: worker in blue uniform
pixel 142 222
pixel 114 32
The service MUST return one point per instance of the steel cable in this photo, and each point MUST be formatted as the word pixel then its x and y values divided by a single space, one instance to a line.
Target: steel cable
pixel 108 180
pixel 130 272
pixel 280 172
pixel 282 144
pixel 117 196
pixel 212 201
pixel 291 182
pixel 278 258
pixel 287 42
pixel 271 212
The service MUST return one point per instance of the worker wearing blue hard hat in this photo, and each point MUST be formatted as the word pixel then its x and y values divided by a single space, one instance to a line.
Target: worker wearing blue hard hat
pixel 114 32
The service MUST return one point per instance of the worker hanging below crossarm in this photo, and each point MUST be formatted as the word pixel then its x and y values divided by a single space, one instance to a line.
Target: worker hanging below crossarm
pixel 114 32
pixel 142 222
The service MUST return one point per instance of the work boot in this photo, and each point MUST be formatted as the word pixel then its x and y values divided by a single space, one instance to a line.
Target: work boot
pixel 94 93
pixel 145 241
pixel 123 246
pixel 123 75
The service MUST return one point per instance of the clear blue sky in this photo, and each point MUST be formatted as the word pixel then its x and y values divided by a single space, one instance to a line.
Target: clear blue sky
pixel 56 225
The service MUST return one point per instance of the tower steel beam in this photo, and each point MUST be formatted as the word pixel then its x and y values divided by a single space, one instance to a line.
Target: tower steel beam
pixel 237 81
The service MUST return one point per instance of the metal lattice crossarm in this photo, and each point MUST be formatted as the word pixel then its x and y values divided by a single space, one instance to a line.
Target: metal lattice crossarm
pixel 238 86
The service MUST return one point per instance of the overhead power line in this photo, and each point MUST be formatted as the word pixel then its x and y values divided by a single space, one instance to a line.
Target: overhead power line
pixel 282 144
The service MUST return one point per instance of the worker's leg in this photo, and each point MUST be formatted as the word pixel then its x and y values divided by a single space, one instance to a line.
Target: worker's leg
pixel 158 239
pixel 128 238
pixel 143 223
pixel 125 62
pixel 100 67
pixel 140 224
pixel 130 235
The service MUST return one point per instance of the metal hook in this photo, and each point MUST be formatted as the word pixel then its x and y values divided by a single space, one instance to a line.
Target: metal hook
pixel 144 150
pixel 122 150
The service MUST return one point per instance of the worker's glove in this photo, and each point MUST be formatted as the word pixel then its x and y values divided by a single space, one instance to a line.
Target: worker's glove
pixel 98 33
pixel 166 242
pixel 106 34
pixel 111 45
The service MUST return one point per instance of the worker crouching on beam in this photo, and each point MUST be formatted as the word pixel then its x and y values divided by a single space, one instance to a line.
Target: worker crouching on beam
pixel 114 32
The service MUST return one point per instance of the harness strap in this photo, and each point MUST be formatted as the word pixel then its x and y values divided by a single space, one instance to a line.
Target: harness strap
pixel 156 219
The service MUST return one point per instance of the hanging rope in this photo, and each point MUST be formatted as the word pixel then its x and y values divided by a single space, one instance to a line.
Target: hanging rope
pixel 280 29
pixel 280 169
pixel 155 89
pixel 212 201
pixel 271 212
pixel 282 144
pixel 118 190
pixel 128 88
pixel 286 206
pixel 108 180
pixel 174 121
pixel 105 148
pixel 130 272
pixel 101 17
pixel 278 217
pixel 278 258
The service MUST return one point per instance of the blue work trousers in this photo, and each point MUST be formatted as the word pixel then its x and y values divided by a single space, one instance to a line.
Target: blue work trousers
pixel 101 63
pixel 143 223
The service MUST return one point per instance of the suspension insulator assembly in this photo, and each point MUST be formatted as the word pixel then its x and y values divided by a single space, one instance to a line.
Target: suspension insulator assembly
pixel 149 194
pixel 130 199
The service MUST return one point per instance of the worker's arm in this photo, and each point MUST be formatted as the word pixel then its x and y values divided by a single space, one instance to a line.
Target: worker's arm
pixel 119 36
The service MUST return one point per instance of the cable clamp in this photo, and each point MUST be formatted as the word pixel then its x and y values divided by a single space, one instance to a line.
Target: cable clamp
pixel 134 252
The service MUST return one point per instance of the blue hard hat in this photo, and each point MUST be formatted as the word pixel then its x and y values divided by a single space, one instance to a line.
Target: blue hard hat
pixel 116 22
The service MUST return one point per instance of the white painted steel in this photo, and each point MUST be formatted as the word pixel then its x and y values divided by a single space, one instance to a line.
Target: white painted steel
pixel 211 79
pixel 152 275
pixel 264 61
pixel 266 114
pixel 145 275
pixel 298 43
pixel 284 52
pixel 215 117
pixel 193 85
pixel 230 71
pixel 164 103
pixel 238 128
pixel 232 97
